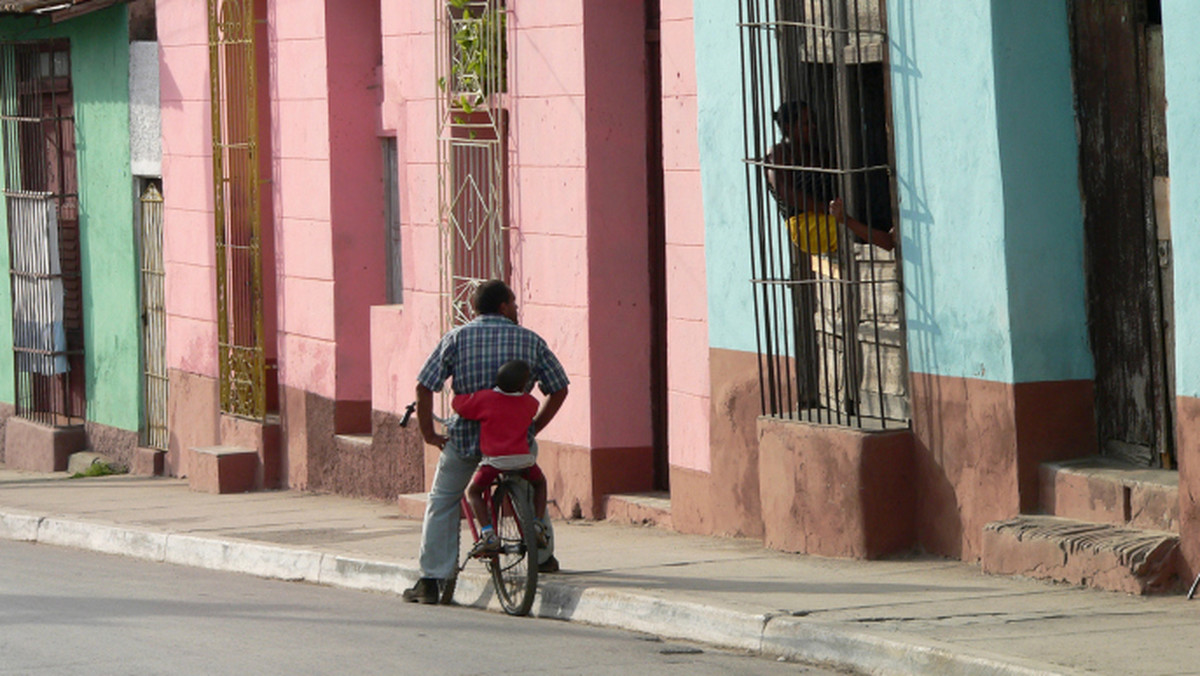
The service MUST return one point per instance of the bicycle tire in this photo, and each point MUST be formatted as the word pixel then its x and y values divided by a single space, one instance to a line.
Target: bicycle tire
pixel 514 569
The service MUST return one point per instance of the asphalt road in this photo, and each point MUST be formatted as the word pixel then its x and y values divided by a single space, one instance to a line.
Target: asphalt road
pixel 65 611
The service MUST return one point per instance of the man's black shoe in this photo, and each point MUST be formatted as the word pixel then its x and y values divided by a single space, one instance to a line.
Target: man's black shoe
pixel 550 565
pixel 424 591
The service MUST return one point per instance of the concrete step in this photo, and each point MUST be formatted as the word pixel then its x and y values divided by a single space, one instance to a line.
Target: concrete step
pixel 222 469
pixel 148 461
pixel 1105 491
pixel 412 505
pixel 1103 556
pixel 647 509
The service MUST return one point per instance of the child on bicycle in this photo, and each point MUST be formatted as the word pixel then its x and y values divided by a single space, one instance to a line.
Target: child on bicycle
pixel 505 413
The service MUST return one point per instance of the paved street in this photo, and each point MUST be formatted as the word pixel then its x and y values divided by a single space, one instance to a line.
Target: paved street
pixel 66 611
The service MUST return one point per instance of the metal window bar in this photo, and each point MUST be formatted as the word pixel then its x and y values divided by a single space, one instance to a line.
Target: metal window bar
pixel 237 217
pixel 391 219
pixel 41 201
pixel 471 57
pixel 827 308
pixel 154 320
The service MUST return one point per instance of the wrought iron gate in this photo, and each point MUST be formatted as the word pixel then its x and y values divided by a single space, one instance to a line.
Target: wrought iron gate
pixel 472 201
pixel 825 278
pixel 42 203
pixel 154 320
pixel 233 75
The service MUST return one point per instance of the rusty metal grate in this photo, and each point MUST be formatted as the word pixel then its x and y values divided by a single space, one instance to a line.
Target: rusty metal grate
pixel 238 231
pixel 154 320
pixel 42 205
pixel 826 280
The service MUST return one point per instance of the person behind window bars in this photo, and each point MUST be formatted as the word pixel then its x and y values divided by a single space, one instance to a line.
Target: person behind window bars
pixel 801 194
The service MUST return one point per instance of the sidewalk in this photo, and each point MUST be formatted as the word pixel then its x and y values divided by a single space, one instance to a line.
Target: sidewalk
pixel 912 616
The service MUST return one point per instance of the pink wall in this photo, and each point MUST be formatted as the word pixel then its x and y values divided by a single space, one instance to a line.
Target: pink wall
pixel 687 305
pixel 187 186
pixel 327 196
pixel 577 190
pixel 618 223
pixel 301 194
pixel 550 200
pixel 403 335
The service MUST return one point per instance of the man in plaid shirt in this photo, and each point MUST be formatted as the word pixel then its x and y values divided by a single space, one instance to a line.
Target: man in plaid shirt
pixel 470 355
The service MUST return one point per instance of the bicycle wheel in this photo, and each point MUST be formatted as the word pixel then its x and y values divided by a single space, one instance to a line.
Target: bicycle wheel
pixel 514 568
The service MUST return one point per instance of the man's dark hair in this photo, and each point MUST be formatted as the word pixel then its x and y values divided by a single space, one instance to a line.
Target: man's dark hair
pixel 513 376
pixel 490 295
pixel 788 112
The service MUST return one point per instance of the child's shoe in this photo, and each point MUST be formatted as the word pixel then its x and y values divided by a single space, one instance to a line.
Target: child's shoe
pixel 543 540
pixel 488 543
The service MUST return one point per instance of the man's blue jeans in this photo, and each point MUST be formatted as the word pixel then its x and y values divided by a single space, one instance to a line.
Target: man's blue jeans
pixel 441 528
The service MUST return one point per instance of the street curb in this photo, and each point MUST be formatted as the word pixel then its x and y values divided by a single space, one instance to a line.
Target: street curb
pixel 771 635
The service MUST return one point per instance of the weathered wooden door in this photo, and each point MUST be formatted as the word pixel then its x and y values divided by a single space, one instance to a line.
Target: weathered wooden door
pixel 1117 55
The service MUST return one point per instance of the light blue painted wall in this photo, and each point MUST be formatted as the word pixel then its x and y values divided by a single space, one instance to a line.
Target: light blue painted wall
pixel 1181 35
pixel 1039 162
pixel 987 171
pixel 723 175
pixel 986 166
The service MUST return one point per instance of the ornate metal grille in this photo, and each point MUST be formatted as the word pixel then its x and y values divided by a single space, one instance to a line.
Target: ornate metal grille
pixel 233 76
pixel 42 202
pixel 154 320
pixel 818 177
pixel 472 201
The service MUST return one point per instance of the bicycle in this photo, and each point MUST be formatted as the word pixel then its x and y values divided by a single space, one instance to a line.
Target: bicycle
pixel 514 567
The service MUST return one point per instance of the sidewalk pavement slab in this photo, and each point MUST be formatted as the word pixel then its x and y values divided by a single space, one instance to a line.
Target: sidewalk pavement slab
pixel 914 615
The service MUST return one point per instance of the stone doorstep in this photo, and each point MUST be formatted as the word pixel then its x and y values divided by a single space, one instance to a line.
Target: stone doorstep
pixel 646 509
pixel 222 469
pixel 1102 556
pixel 148 461
pixel 1105 491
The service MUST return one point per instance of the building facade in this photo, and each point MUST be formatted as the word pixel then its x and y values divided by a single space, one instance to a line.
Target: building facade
pixel 853 278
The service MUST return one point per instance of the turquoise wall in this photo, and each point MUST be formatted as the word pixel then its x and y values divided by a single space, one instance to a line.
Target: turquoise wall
pixel 100 76
pixel 1181 35
pixel 991 222
pixel 723 175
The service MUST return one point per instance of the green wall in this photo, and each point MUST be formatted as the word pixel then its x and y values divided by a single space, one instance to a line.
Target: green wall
pixel 100 76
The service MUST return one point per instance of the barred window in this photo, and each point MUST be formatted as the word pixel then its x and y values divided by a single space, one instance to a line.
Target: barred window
pixel 472 61
pixel 42 201
pixel 826 279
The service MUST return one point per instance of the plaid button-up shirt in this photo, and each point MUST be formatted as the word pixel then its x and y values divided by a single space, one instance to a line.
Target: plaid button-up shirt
pixel 471 354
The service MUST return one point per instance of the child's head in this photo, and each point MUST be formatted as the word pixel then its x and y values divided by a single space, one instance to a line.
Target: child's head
pixel 513 376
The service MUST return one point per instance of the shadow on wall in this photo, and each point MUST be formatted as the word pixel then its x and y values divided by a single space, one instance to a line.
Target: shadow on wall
pixel 937 500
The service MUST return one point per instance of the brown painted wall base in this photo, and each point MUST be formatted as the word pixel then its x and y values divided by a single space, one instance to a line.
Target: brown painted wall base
pixel 398 453
pixel 835 491
pixel 1187 444
pixel 7 411
pixel 41 448
pixel 731 505
pixel 578 478
pixel 194 418
pixel 978 446
pixel 690 511
pixel 117 444
pixel 384 466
